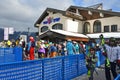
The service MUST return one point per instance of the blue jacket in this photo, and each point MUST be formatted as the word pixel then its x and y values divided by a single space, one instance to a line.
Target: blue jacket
pixel 52 49
pixel 70 48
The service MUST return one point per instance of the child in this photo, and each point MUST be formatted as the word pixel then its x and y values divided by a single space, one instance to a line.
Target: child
pixel 91 60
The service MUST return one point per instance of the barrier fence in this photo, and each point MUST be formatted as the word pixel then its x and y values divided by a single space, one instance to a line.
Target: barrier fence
pixel 118 77
pixel 60 68
pixel 15 54
pixel 10 54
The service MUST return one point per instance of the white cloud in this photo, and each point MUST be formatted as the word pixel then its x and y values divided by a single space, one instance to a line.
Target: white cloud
pixel 24 13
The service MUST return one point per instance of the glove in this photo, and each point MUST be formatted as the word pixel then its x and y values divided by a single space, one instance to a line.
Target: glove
pixel 88 60
pixel 105 54
pixel 118 62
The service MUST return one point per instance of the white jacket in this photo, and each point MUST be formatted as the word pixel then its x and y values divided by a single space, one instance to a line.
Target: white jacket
pixel 112 53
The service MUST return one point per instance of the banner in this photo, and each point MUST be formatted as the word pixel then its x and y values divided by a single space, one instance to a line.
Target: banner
pixel 11 30
pixel 6 34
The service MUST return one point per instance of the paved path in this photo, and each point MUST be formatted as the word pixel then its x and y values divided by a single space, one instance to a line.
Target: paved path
pixel 100 76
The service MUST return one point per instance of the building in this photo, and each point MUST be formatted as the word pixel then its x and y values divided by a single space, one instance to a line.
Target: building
pixel 80 20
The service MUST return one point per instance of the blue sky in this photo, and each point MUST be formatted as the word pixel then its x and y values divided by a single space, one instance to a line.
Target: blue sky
pixel 107 4
pixel 22 14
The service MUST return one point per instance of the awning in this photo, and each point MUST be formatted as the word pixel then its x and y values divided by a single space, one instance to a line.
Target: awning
pixel 64 35
pixel 106 35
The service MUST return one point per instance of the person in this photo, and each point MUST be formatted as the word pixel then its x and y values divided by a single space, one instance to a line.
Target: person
pixel 111 52
pixel 41 51
pixel 8 43
pixel 30 48
pixel 59 49
pixel 64 49
pixel 91 60
pixel 52 50
pixel 46 49
pixel 13 43
pixel 70 47
pixel 77 47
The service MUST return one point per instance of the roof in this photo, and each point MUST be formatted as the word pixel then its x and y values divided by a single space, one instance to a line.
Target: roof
pixel 67 33
pixel 96 10
pixel 106 35
pixel 84 13
pixel 45 13
pixel 96 6
pixel 60 34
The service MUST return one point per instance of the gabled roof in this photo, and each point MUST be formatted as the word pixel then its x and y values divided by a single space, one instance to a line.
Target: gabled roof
pixel 84 13
pixel 95 10
pixel 45 13
pixel 96 6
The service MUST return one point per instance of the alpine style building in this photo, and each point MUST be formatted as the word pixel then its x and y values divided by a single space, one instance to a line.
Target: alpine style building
pixel 78 23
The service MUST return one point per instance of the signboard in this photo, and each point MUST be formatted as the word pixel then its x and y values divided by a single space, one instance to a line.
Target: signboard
pixel 51 19
pixel 6 34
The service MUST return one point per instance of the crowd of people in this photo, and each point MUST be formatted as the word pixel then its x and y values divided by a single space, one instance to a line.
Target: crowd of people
pixel 110 48
pixel 111 51
pixel 49 49
pixel 12 43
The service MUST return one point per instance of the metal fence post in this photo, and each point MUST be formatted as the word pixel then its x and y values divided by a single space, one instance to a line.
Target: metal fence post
pixel 62 68
pixel 43 69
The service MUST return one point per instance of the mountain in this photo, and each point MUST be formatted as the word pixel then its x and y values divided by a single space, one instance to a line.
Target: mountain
pixel 16 34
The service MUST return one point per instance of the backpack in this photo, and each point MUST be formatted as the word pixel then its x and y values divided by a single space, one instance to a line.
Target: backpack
pixel 33 44
pixel 26 48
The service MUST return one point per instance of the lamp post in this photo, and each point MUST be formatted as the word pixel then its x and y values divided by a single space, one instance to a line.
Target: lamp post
pixel 28 33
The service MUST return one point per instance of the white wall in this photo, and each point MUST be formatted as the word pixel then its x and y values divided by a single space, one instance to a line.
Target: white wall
pixel 68 23
pixel 77 25
pixel 106 22
pixel 58 15
pixel 72 25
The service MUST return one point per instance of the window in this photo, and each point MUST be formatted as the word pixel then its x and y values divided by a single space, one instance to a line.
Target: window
pixel 113 28
pixel 86 28
pixel 44 28
pixel 106 28
pixel 57 26
pixel 97 26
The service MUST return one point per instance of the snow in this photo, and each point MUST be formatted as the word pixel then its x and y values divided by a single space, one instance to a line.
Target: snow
pixel 106 35
pixel 69 33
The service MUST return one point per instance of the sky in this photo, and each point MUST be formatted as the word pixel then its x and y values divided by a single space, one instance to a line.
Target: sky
pixel 21 14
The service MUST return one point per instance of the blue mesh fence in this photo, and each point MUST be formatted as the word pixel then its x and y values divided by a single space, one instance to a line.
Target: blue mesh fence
pixel 29 70
pixel 70 67
pixel 118 77
pixel 59 68
pixel 10 54
pixel 81 64
pixel 52 69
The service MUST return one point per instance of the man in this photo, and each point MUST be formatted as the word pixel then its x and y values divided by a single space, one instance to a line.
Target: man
pixel 30 49
pixel 70 47
pixel 52 50
pixel 111 52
